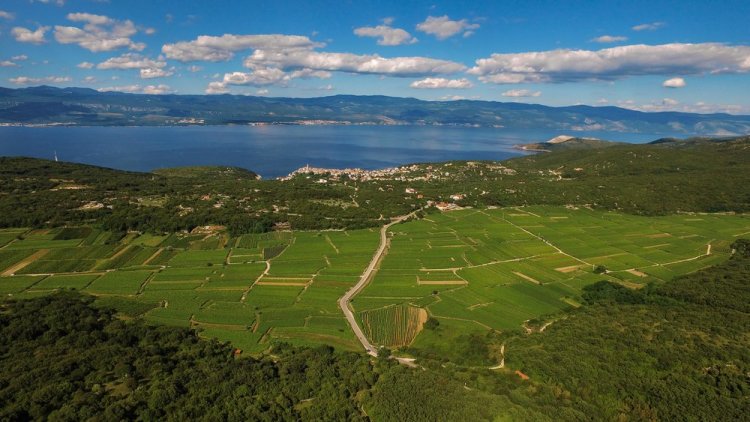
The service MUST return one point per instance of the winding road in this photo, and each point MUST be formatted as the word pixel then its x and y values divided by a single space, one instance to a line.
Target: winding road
pixel 344 301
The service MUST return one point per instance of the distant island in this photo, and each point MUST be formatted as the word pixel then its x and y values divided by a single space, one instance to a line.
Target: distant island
pixel 50 106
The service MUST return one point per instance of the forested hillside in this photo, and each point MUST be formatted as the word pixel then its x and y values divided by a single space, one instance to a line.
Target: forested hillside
pixel 661 178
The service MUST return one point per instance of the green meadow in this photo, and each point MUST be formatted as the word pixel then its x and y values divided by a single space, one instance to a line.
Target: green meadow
pixel 470 271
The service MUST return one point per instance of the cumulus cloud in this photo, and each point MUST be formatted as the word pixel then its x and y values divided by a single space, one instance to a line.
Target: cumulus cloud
pixel 351 63
pixel 149 68
pixel 452 98
pixel 194 69
pixel 217 87
pixel 138 89
pixel 131 61
pixel 386 35
pixel 6 15
pixel 669 104
pixel 443 27
pixel 604 39
pixel 57 2
pixel 20 57
pixel 89 79
pixel 612 63
pixel 99 33
pixel 26 35
pixel 521 93
pixel 150 73
pixel 277 59
pixel 7 63
pixel 25 80
pixel 674 83
pixel 648 26
pixel 438 83
pixel 263 77
pixel 85 65
pixel 216 49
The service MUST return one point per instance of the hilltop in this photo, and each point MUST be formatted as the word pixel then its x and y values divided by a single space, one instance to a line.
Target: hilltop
pixel 563 142
pixel 44 105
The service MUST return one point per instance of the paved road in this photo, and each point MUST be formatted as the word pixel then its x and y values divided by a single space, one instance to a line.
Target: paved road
pixel 363 280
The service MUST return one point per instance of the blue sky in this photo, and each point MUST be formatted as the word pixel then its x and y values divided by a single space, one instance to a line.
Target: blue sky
pixel 647 55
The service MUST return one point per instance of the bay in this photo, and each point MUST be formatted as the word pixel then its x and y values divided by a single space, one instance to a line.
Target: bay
pixel 273 151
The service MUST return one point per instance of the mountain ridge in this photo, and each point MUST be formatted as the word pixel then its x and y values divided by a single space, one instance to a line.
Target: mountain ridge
pixel 44 105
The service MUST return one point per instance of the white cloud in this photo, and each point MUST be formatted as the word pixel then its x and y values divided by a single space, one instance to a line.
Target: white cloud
pixel 100 33
pixel 6 15
pixel 89 79
pixel 263 76
pixel 194 69
pixel 57 2
pixel 20 57
pixel 26 35
pixel 215 49
pixel 521 93
pixel 669 104
pixel 25 80
pixel 443 27
pixel 149 31
pixel 7 63
pixel 351 63
pixel 131 61
pixel 85 65
pixel 90 18
pixel 157 89
pixel 674 83
pixel 150 73
pixel 386 35
pixel 648 26
pixel 138 89
pixel 609 39
pixel 439 83
pixel 217 87
pixel 612 63
pixel 149 68
pixel 261 92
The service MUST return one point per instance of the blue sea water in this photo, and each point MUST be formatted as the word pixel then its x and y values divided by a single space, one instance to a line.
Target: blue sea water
pixel 272 151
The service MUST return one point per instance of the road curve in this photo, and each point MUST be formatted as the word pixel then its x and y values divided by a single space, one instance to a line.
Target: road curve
pixel 363 280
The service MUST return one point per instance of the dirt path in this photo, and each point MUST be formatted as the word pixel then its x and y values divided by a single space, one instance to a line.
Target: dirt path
pixel 543 240
pixel 501 365
pixel 263 274
pixel 26 262
pixel 344 301
pixel 152 257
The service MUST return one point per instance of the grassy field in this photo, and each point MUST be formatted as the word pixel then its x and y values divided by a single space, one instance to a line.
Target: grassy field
pixel 470 270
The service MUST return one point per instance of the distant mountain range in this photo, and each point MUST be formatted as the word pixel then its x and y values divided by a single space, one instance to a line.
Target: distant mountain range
pixel 44 105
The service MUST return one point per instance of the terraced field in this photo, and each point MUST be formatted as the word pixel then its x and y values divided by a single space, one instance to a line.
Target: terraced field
pixel 471 270
pixel 395 325
pixel 496 268
pixel 249 290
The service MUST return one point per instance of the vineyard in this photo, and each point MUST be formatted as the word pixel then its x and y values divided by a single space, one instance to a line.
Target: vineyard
pixel 393 326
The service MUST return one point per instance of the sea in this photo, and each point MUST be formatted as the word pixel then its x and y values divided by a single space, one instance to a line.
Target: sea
pixel 274 151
